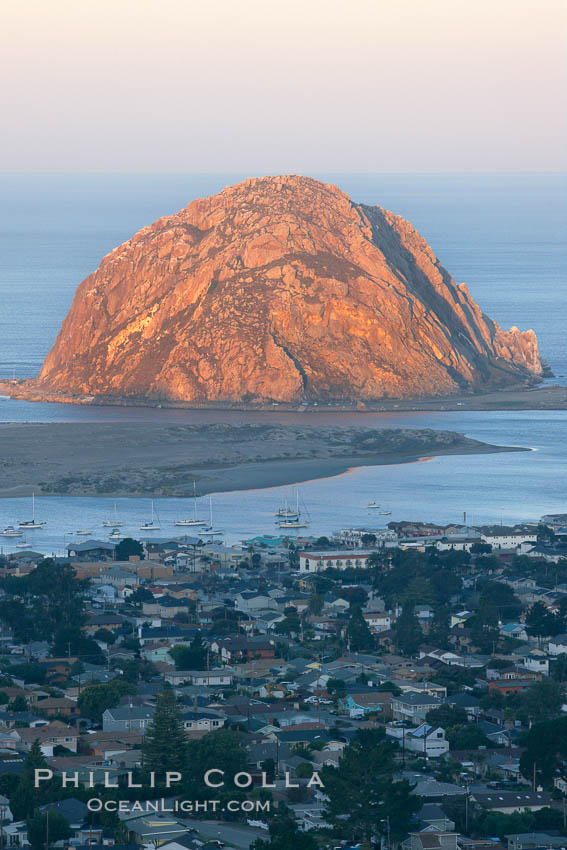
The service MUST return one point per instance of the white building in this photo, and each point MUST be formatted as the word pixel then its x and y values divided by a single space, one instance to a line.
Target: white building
pixel 507 538
pixel 315 562
pixel 353 537
pixel 377 621
pixel 211 678
pixel 456 544
pixel 428 741
pixel 557 645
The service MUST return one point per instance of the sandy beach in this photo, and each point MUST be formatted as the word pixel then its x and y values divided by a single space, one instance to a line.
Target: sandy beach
pixel 86 459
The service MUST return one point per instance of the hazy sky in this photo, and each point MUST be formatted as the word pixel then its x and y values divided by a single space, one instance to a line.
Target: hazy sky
pixel 268 86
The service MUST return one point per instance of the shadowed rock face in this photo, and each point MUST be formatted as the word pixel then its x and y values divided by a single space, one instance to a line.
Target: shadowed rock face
pixel 279 288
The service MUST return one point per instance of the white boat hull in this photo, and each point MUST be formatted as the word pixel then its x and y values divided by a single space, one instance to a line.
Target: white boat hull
pixel 188 523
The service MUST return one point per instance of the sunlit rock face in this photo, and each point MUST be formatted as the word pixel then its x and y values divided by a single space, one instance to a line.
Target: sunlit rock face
pixel 283 289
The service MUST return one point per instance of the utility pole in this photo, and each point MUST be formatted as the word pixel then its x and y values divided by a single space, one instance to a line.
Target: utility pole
pixel 387 822
pixel 1 827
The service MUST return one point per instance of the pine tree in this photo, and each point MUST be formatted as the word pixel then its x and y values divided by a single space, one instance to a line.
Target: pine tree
pixel 26 798
pixel 439 631
pixel 165 744
pixel 408 631
pixel 358 634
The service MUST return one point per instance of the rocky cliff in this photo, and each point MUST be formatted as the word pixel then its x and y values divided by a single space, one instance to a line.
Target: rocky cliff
pixel 279 288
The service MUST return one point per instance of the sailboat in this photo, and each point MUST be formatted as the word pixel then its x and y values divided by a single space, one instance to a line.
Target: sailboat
pixel 294 521
pixel 112 523
pixel 32 523
pixel 84 532
pixel 195 520
pixel 152 525
pixel 210 531
pixel 385 513
pixel 373 505
pixel 285 512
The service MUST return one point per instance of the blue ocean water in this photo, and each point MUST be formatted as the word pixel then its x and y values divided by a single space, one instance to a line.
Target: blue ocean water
pixel 505 235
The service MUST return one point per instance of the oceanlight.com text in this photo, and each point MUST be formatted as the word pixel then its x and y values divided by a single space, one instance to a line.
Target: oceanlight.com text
pixel 96 804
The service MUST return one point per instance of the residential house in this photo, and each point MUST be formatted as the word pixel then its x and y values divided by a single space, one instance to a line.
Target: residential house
pixel 207 678
pixel 413 706
pixel 127 718
pixel 508 802
pixel 426 740
pixel 205 721
pixel 50 736
pixel 359 704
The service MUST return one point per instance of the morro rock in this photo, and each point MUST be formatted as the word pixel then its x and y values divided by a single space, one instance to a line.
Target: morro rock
pixel 283 289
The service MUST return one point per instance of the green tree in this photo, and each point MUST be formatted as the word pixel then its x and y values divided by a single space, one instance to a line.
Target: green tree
pixel 95 699
pixel 141 595
pixel 440 625
pixel 408 631
pixel 315 604
pixel 59 829
pixel 105 636
pixel 72 640
pixel 357 596
pixel 223 750
pixel 361 792
pixel 447 715
pixel 290 623
pixel 192 656
pixel 481 549
pixel 284 834
pixel 466 737
pixel 165 744
pixel 358 634
pixel 542 623
pixel 128 548
pixel 18 704
pixel 498 602
pixel 30 673
pixel 543 700
pixel 48 599
pixel 546 746
pixel 26 797
pixel 419 591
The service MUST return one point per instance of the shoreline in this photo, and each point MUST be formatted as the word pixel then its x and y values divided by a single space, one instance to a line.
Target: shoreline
pixel 274 476
pixel 549 397
pixel 137 461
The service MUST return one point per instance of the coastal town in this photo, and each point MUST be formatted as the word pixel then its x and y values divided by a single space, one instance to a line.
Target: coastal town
pixel 395 686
